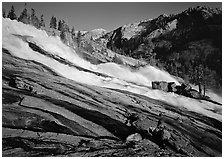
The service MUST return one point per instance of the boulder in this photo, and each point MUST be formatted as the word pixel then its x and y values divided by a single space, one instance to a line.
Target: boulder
pixel 161 85
pixel 186 87
pixel 183 89
pixel 161 135
pixel 155 84
pixel 166 135
pixel 172 87
pixel 194 94
pixel 131 118
pixel 134 138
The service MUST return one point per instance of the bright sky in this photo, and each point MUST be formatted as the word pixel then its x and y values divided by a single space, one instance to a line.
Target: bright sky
pixel 106 15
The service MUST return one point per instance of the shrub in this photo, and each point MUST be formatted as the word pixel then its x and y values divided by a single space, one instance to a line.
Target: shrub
pixel 117 60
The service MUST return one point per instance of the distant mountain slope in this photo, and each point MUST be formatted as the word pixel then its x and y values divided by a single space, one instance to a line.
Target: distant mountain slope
pixel 178 43
pixel 95 34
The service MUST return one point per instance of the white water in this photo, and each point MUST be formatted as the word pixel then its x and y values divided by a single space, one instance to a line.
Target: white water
pixel 123 78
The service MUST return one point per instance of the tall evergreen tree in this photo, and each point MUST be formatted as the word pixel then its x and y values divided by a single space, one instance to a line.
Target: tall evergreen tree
pixel 3 13
pixel 63 35
pixel 12 14
pixel 33 12
pixel 42 23
pixel 73 30
pixel 73 33
pixel 53 22
pixel 34 20
pixel 65 26
pixel 60 25
pixel 78 38
pixel 24 17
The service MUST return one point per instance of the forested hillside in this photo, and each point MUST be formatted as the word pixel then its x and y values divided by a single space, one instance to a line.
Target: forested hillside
pixel 187 45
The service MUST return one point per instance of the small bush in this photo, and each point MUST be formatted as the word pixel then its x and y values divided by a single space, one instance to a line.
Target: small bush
pixel 117 60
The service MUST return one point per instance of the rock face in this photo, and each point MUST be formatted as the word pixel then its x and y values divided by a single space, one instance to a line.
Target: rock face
pixel 66 118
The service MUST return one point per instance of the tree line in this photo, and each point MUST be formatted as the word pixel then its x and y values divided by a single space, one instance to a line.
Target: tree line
pixel 32 19
pixel 25 17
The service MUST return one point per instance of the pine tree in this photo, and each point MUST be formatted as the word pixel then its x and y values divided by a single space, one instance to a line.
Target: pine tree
pixel 63 35
pixel 209 79
pixel 53 22
pixel 34 20
pixel 78 38
pixel 73 30
pixel 59 25
pixel 42 23
pixel 117 60
pixel 73 33
pixel 24 17
pixel 12 14
pixel 65 26
pixel 3 13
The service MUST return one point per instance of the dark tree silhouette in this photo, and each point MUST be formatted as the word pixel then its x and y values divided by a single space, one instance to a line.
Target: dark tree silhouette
pixel 24 17
pixel 3 13
pixel 63 35
pixel 34 20
pixel 65 26
pixel 12 14
pixel 73 30
pixel 53 22
pixel 78 38
pixel 42 23
pixel 60 25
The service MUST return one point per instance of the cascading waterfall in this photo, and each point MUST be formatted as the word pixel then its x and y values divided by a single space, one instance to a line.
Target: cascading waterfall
pixel 15 37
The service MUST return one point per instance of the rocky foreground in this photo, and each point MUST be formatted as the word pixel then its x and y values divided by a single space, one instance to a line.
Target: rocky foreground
pixel 44 114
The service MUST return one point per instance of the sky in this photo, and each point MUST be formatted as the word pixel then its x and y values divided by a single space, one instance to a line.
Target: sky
pixel 106 15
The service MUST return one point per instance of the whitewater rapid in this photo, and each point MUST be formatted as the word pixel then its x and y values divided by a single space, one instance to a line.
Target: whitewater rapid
pixel 119 77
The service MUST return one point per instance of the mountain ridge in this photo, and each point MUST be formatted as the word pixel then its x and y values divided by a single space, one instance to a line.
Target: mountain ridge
pixel 159 40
